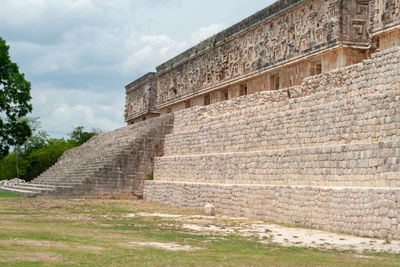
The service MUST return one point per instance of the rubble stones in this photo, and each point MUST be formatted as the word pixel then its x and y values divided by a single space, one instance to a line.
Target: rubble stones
pixel 14 181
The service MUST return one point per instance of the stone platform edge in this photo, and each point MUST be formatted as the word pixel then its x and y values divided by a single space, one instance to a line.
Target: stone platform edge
pixel 371 212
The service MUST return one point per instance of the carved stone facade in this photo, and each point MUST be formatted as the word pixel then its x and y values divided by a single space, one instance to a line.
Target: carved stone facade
pixel 386 22
pixel 140 99
pixel 275 48
pixel 385 14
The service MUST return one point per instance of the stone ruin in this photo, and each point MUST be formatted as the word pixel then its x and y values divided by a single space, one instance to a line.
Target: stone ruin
pixel 291 115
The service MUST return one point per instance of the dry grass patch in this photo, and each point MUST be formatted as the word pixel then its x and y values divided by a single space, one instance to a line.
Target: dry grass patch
pixel 129 232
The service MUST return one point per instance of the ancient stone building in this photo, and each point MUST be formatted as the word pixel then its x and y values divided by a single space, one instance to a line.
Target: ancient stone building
pixel 292 116
pixel 304 126
pixel 275 48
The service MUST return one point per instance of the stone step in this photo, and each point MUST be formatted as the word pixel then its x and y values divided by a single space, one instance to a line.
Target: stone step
pixel 362 211
pixel 33 188
pixel 62 184
pixel 342 121
pixel 208 116
pixel 39 185
pixel 96 164
pixel 377 164
pixel 22 192
pixel 358 80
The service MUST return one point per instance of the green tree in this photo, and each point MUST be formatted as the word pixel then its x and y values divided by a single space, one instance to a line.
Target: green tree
pixel 39 160
pixel 79 136
pixel 39 137
pixel 14 103
pixel 40 151
pixel 37 140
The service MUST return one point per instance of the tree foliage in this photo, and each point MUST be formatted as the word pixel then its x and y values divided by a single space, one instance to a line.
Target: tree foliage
pixel 14 103
pixel 40 151
pixel 39 160
pixel 79 136
pixel 38 139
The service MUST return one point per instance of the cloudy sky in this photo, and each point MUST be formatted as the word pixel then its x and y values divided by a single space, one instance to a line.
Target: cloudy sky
pixel 79 54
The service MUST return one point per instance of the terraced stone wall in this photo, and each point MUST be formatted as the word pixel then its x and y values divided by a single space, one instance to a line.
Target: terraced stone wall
pixel 366 212
pixel 325 154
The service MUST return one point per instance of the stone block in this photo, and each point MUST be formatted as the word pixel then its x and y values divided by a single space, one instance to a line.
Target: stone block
pixel 209 210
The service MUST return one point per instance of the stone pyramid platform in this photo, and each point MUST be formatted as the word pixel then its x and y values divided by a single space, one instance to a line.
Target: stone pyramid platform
pixel 328 157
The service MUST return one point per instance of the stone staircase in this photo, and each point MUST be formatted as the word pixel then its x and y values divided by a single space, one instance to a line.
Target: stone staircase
pixel 31 189
pixel 327 158
pixel 112 162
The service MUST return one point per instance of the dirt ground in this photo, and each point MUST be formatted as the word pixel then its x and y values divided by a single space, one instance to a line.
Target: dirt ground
pixel 279 234
pixel 94 231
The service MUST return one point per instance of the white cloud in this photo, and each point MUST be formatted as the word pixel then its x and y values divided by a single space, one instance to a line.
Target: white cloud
pixel 66 113
pixel 62 110
pixel 150 51
pixel 79 54
pixel 205 32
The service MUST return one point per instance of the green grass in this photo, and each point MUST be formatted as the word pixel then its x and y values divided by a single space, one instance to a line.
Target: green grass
pixel 9 195
pixel 96 232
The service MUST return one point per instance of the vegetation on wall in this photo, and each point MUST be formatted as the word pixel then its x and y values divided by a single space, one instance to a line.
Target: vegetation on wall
pixel 289 93
pixel 173 89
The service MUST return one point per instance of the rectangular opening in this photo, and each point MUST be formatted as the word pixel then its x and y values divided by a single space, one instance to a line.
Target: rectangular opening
pixel 187 104
pixel 274 82
pixel 243 89
pixel 318 68
pixel 315 67
pixel 207 100
pixel 226 94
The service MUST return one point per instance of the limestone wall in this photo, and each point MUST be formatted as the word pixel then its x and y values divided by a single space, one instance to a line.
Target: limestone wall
pixel 326 109
pixel 365 212
pixel 371 164
pixel 328 157
pixel 353 120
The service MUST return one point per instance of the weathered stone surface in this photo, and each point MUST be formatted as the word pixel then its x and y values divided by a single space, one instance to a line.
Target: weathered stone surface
pixel 278 47
pixel 324 153
pixel 209 210
pixel 112 162
pixel 326 158
pixel 286 32
pixel 385 14
pixel 11 182
pixel 327 208
pixel 141 97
